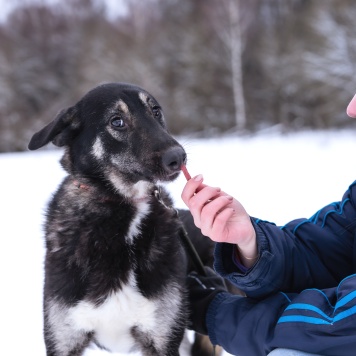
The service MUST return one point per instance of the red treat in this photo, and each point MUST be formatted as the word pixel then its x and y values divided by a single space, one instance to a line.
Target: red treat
pixel 185 172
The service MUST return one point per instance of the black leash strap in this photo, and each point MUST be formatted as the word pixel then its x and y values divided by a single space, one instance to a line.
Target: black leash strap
pixel 191 251
pixel 189 247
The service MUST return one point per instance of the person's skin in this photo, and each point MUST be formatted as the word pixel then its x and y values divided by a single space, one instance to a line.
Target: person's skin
pixel 222 218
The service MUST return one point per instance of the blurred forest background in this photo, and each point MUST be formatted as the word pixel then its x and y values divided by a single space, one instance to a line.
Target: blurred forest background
pixel 216 66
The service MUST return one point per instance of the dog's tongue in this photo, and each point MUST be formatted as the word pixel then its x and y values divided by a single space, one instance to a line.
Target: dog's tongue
pixel 351 108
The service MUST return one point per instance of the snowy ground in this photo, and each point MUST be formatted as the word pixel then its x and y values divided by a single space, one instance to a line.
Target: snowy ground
pixel 277 178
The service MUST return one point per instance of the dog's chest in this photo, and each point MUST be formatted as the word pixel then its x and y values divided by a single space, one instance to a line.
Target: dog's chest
pixel 112 322
pixel 114 253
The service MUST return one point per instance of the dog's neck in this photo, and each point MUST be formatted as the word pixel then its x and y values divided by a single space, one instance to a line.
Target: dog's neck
pixel 139 196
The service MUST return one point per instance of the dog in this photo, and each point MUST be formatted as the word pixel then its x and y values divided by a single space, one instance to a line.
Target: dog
pixel 115 267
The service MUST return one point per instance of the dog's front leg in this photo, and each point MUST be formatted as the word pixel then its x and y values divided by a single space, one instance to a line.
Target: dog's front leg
pixel 61 339
pixel 73 347
pixel 149 347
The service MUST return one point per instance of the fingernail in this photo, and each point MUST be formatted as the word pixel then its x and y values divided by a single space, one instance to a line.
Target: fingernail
pixel 198 178
pixel 230 198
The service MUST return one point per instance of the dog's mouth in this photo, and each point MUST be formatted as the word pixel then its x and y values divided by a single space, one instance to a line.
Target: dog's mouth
pixel 170 177
pixel 161 176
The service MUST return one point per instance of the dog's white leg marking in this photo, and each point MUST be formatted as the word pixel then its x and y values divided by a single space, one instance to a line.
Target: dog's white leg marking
pixel 168 307
pixel 62 331
pixel 98 149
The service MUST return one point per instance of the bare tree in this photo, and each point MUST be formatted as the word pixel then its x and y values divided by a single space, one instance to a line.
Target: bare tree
pixel 236 48
pixel 227 20
pixel 207 61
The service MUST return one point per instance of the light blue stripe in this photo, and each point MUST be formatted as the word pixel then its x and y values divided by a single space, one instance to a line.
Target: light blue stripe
pixel 304 306
pixel 312 320
pixel 348 298
pixel 345 314
pixel 345 299
pixel 302 319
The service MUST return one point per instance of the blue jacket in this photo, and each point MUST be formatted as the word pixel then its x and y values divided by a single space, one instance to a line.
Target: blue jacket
pixel 301 292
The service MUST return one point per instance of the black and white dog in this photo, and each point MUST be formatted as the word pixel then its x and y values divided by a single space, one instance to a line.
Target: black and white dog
pixel 115 267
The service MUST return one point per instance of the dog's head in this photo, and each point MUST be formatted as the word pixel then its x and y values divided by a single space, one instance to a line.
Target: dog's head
pixel 116 133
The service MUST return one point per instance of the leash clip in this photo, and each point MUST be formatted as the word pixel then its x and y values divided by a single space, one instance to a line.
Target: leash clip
pixel 157 194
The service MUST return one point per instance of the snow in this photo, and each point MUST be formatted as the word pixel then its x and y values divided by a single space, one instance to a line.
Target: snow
pixel 276 178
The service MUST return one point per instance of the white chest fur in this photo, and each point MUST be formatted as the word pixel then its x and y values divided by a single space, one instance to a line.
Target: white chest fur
pixel 113 320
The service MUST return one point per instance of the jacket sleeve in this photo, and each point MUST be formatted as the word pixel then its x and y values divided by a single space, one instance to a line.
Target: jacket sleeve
pixel 306 253
pixel 244 326
pixel 314 321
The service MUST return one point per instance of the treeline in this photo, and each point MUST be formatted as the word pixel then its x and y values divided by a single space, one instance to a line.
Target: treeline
pixel 214 65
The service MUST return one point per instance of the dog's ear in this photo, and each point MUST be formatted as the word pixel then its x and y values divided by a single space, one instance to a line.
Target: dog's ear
pixel 60 131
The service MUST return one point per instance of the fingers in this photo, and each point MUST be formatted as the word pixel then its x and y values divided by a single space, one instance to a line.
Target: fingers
pixel 191 188
pixel 221 219
pixel 206 204
pixel 218 215
pixel 215 214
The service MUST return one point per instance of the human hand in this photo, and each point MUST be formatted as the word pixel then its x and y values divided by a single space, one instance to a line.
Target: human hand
pixel 201 291
pixel 221 217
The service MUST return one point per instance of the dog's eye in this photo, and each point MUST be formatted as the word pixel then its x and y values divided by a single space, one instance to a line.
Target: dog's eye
pixel 157 112
pixel 117 123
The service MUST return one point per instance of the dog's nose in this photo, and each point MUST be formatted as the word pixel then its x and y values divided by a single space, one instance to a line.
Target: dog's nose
pixel 173 159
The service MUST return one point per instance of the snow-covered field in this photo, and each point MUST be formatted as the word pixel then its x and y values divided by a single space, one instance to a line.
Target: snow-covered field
pixel 276 178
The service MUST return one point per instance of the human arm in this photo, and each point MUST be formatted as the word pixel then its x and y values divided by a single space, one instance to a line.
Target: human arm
pixel 317 321
pixel 242 326
pixel 305 253
pixel 315 252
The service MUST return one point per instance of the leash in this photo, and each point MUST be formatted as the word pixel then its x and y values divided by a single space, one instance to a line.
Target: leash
pixel 190 249
pixel 184 237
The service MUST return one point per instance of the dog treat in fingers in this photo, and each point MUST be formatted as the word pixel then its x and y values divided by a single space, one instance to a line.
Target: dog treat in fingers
pixel 185 172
